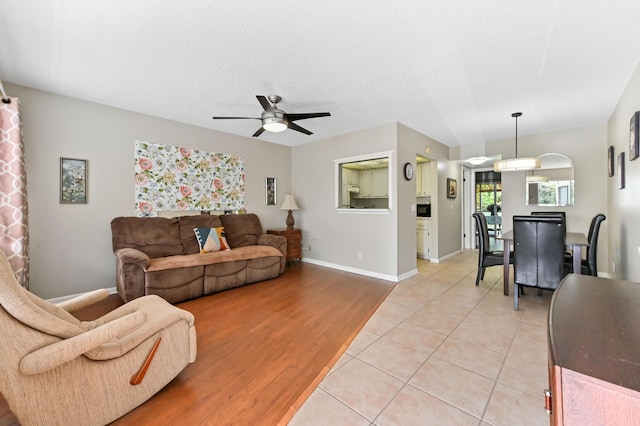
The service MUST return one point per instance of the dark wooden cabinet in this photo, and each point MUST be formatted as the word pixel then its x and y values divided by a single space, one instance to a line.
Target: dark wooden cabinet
pixel 594 352
pixel 294 242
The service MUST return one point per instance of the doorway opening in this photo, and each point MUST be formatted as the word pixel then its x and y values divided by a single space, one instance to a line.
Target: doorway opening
pixel 488 200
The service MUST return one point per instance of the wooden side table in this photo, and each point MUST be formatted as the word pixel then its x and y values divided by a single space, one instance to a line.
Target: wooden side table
pixel 294 242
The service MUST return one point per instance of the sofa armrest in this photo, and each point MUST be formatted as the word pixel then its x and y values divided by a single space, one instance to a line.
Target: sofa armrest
pixel 130 266
pixel 277 241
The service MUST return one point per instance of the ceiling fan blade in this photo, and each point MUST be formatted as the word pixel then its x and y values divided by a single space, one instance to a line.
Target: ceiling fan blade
pixel 294 126
pixel 302 116
pixel 258 132
pixel 236 118
pixel 265 103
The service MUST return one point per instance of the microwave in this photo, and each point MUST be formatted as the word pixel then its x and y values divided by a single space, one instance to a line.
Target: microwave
pixel 423 210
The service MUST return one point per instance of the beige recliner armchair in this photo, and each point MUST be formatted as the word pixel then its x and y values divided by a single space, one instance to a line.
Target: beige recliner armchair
pixel 55 369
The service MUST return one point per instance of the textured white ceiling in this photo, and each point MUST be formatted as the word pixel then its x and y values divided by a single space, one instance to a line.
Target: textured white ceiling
pixel 452 70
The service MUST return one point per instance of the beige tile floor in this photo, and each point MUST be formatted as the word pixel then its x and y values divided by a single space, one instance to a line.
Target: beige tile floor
pixel 441 351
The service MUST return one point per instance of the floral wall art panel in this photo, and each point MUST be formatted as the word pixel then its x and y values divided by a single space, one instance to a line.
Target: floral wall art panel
pixel 171 178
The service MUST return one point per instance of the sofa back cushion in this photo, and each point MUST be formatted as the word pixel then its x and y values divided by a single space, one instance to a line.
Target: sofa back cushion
pixel 241 229
pixel 154 236
pixel 188 223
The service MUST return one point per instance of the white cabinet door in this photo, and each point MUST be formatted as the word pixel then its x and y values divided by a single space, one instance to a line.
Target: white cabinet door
pixel 420 240
pixel 419 169
pixel 425 180
pixel 354 177
pixel 374 183
pixel 344 189
pixel 423 236
pixel 365 183
pixel 380 183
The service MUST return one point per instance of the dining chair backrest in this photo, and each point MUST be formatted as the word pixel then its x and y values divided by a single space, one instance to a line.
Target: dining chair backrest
pixel 561 214
pixel 483 234
pixel 592 237
pixel 538 252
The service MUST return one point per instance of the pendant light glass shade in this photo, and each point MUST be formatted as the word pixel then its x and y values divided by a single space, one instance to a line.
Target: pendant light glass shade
pixel 516 164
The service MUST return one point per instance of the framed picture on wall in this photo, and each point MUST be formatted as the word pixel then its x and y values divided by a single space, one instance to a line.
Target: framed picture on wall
pixel 634 136
pixel 611 159
pixel 271 189
pixel 621 170
pixel 452 188
pixel 73 181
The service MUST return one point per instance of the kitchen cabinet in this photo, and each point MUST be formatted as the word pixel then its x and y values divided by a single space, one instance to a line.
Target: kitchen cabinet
pixel 350 181
pixel 423 238
pixel 353 177
pixel 345 200
pixel 374 183
pixel 425 179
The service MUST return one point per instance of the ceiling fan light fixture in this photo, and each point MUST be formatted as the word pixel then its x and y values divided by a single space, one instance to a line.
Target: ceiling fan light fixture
pixel 516 164
pixel 274 124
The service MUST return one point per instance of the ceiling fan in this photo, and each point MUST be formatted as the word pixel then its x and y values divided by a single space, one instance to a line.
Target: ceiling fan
pixel 276 120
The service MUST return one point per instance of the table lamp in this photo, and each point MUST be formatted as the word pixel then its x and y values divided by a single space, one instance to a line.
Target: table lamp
pixel 289 204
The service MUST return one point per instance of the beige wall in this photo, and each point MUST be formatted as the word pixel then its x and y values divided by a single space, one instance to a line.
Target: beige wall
pixel 71 244
pixel 388 241
pixel 337 238
pixel 624 228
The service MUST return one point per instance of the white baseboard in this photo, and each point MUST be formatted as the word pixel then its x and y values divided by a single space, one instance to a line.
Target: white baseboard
pixel 449 256
pixel 364 272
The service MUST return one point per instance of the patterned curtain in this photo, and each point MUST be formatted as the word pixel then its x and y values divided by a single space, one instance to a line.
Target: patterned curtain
pixel 14 240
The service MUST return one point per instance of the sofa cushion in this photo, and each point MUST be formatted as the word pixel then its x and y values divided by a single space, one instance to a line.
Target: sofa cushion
pixel 188 260
pixel 154 236
pixel 187 223
pixel 241 229
pixel 211 239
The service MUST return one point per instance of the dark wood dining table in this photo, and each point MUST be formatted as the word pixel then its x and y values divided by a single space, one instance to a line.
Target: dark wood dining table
pixel 573 241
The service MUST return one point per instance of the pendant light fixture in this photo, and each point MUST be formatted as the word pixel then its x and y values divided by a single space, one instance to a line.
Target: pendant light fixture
pixel 534 178
pixel 516 164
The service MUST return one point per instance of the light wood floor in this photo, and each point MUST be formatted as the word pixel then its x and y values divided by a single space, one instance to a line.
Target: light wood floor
pixel 262 348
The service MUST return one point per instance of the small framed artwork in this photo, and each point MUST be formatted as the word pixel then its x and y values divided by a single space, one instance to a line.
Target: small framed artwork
pixel 634 136
pixel 271 189
pixel 73 181
pixel 621 170
pixel 452 188
pixel 610 160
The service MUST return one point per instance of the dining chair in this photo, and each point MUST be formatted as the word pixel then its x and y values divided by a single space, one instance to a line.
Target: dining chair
pixel 538 253
pixel 486 257
pixel 590 264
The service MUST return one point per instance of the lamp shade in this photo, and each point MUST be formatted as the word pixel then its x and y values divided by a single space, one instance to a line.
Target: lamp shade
pixel 289 203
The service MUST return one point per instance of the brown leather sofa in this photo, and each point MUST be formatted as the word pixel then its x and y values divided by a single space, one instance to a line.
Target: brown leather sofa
pixel 157 255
